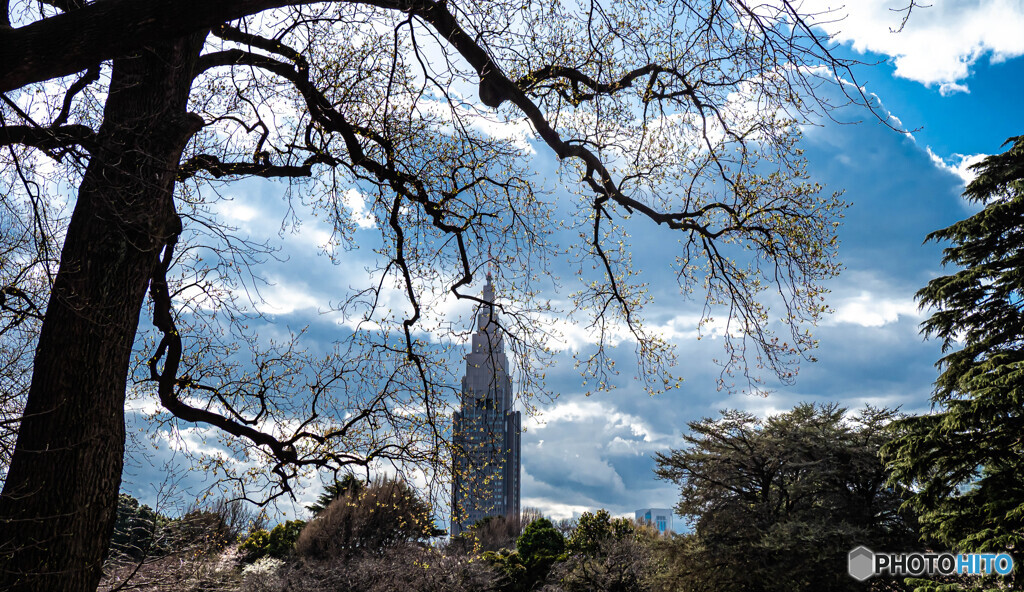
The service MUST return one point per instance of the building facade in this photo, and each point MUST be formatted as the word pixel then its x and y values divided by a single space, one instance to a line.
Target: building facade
pixel 485 477
pixel 659 518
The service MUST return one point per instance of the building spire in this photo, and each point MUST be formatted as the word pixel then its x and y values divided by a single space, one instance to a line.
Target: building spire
pixel 488 295
pixel 486 464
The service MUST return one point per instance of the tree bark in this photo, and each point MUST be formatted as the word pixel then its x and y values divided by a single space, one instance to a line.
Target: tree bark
pixel 75 40
pixel 59 501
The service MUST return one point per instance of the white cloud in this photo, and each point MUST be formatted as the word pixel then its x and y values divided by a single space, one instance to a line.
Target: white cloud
pixel 516 131
pixel 194 440
pixel 566 333
pixel 958 164
pixel 871 310
pixel 285 297
pixel 623 446
pixel 142 403
pixel 356 202
pixel 587 410
pixel 941 41
pixel 240 212
pixel 951 88
pixel 781 402
pixel 554 509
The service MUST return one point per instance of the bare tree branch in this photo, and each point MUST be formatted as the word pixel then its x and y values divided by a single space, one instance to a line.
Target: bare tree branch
pixel 46 138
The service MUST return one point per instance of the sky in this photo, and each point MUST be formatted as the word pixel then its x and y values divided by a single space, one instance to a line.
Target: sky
pixel 953 78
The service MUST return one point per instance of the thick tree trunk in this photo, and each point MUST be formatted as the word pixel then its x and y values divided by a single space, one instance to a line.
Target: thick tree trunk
pixel 59 501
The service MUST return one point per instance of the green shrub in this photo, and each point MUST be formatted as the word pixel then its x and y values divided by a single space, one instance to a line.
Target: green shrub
pixel 283 537
pixel 539 540
pixel 255 546
pixel 594 528
pixel 537 549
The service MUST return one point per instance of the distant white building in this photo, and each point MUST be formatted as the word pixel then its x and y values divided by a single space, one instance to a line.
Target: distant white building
pixel 659 518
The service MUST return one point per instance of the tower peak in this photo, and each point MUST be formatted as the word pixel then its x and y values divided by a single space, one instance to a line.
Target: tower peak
pixel 488 295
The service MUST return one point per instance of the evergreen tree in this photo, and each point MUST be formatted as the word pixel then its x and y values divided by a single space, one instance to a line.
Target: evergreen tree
pixel 594 528
pixel 964 460
pixel 336 490
pixel 539 547
pixel 134 530
pixel 777 503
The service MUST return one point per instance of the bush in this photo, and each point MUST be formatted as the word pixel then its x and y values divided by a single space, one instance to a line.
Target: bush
pixel 255 546
pixel 594 528
pixel 406 567
pixel 493 533
pixel 263 575
pixel 348 483
pixel 135 530
pixel 283 537
pixel 179 572
pixel 621 564
pixel 537 549
pixel 539 540
pixel 201 531
pixel 384 514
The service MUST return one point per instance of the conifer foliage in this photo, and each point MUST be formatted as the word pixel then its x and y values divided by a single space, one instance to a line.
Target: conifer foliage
pixel 777 503
pixel 964 459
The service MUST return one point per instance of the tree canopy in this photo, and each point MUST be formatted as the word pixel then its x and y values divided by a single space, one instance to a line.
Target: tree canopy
pixel 684 117
pixel 348 485
pixel 776 504
pixel 963 460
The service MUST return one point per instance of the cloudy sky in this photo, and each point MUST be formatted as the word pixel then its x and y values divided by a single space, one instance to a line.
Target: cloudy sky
pixel 954 77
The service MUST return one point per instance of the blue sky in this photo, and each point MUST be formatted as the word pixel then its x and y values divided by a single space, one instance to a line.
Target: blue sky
pixel 953 76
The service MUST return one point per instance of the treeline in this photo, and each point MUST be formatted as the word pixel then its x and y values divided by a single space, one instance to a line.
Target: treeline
pixel 773 504
pixel 378 536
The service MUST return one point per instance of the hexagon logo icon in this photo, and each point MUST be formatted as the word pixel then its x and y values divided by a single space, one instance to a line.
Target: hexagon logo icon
pixel 860 563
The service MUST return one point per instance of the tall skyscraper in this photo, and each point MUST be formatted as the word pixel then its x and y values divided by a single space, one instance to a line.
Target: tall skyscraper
pixel 485 479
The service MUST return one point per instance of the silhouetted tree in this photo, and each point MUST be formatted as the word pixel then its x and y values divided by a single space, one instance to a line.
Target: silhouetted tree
pixel 135 530
pixel 145 105
pixel 348 483
pixel 963 462
pixel 776 504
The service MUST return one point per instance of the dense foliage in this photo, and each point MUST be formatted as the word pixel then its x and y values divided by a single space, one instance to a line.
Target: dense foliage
pixel 277 542
pixel 594 528
pixel 332 491
pixel 383 514
pixel 965 461
pixel 525 568
pixel 605 553
pixel 776 504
